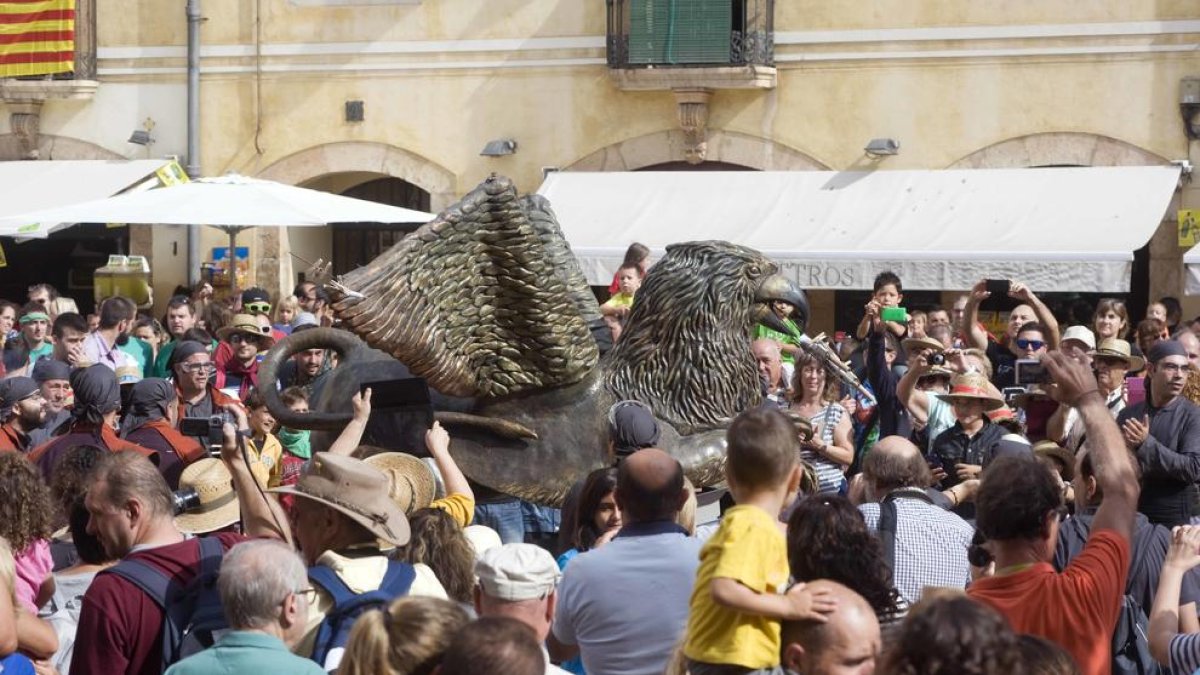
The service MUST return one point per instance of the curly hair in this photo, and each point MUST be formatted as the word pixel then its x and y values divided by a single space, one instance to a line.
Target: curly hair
pixel 68 480
pixel 827 538
pixel 25 510
pixel 439 542
pixel 953 635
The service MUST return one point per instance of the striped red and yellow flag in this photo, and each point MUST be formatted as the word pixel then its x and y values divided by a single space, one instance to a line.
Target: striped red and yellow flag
pixel 37 37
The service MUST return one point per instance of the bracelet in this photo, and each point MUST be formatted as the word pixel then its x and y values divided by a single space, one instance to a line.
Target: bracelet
pixel 953 496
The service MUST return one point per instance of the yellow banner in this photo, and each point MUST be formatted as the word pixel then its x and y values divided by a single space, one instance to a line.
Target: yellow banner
pixel 1189 221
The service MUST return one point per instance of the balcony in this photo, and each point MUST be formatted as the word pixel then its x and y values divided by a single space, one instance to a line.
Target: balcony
pixel 691 44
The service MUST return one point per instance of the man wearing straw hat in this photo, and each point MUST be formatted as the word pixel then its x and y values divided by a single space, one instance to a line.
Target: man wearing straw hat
pixel 342 512
pixel 247 337
pixel 1111 359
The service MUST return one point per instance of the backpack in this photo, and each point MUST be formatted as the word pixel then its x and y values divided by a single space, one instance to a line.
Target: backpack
pixel 1130 641
pixel 334 630
pixel 192 614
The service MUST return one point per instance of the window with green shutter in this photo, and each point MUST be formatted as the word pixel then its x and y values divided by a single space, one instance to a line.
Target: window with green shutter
pixel 679 31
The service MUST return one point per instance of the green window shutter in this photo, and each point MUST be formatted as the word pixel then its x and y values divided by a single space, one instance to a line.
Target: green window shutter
pixel 679 31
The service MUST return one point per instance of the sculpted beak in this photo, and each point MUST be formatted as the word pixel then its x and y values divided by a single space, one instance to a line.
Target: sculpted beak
pixel 779 288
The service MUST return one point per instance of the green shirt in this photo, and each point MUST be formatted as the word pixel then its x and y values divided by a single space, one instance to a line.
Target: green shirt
pixel 761 331
pixel 246 652
pixel 142 353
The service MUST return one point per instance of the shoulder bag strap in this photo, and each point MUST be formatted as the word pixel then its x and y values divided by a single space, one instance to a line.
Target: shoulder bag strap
pixel 887 532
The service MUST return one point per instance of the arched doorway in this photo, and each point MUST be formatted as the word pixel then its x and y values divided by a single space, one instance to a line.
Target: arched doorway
pixel 356 244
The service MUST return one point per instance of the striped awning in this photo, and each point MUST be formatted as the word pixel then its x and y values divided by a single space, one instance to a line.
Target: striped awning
pixel 37 37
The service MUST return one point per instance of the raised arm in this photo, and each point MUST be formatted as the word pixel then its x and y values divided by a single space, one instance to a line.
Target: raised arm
pixel 261 514
pixel 1056 426
pixel 1183 555
pixel 976 336
pixel 437 442
pixel 915 400
pixel 1022 292
pixel 347 441
pixel 1076 386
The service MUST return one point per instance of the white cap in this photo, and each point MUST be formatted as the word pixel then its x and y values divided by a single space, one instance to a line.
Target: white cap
pixel 1082 334
pixel 517 572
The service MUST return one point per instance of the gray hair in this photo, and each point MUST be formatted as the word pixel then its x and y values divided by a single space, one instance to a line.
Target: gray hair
pixel 255 577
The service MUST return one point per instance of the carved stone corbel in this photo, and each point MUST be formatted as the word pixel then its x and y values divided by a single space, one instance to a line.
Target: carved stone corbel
pixel 25 118
pixel 693 120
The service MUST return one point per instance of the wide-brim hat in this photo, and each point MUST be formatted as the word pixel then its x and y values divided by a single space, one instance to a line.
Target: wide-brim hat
pixel 219 507
pixel 247 323
pixel 939 371
pixel 972 386
pixel 1057 452
pixel 356 489
pixel 412 481
pixel 1115 348
pixel 922 343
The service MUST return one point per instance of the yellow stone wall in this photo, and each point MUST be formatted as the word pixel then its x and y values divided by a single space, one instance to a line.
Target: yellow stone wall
pixel 948 79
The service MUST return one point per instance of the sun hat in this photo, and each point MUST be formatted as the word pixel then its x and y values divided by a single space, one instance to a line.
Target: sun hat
pixel 1002 413
pixel 356 489
pixel 219 507
pixel 972 386
pixel 1080 334
pixel 412 484
pixel 922 343
pixel 1059 454
pixel 515 572
pixel 129 375
pixel 246 323
pixel 1115 348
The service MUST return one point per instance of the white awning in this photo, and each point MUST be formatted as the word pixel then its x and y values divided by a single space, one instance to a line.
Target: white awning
pixel 35 185
pixel 1191 265
pixel 1056 229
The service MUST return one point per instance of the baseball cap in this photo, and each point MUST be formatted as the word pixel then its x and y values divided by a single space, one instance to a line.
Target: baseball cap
pixel 515 572
pixel 632 426
pixel 1080 334
pixel 15 389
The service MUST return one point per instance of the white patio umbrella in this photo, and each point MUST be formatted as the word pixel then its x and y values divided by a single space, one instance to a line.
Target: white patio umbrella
pixel 231 203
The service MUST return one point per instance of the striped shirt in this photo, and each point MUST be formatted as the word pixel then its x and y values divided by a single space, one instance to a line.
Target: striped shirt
pixel 829 473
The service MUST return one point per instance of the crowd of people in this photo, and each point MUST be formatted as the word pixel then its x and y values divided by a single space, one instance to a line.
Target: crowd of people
pixel 973 503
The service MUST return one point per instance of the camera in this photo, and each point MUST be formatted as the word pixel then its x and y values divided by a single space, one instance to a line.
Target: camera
pixel 184 500
pixel 937 359
pixel 1031 371
pixel 210 428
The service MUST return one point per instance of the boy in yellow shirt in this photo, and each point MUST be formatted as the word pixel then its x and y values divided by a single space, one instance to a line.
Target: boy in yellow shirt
pixel 736 605
pixel 616 310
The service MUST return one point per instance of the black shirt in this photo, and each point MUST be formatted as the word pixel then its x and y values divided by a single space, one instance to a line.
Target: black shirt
pixel 1169 459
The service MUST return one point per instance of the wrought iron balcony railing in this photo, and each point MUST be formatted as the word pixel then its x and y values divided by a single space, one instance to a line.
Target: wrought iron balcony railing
pixel 690 33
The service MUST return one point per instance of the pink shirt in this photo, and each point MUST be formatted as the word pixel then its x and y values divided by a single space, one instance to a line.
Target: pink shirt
pixel 33 566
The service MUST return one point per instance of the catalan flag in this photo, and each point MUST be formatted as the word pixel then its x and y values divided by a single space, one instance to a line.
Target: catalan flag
pixel 37 37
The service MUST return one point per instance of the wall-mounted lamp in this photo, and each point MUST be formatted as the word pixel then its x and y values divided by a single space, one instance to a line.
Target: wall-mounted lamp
pixel 882 147
pixel 1189 106
pixel 499 148
pixel 142 136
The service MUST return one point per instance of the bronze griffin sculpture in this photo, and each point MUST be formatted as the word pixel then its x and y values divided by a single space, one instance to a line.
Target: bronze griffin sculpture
pixel 488 304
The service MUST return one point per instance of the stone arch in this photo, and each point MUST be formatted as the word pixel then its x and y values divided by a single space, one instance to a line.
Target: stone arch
pixel 723 146
pixel 1070 148
pixel 55 147
pixel 366 157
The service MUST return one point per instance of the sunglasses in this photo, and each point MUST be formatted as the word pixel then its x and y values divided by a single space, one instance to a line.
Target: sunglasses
pixel 238 338
pixel 258 307
pixel 1030 344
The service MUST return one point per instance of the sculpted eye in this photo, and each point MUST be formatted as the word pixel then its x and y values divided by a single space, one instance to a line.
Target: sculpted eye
pixel 754 270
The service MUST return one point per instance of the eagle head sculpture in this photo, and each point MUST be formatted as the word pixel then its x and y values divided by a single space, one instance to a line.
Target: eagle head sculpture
pixel 489 305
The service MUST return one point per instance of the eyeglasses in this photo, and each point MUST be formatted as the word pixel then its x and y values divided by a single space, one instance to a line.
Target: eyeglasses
pixel 309 594
pixel 258 307
pixel 198 367
pixel 1030 344
pixel 1174 367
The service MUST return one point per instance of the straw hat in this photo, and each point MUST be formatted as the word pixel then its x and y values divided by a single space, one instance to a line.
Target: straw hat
pixel 1002 413
pixel 356 489
pixel 921 344
pixel 129 375
pixel 246 323
pixel 218 502
pixel 972 386
pixel 1114 348
pixel 1059 454
pixel 412 482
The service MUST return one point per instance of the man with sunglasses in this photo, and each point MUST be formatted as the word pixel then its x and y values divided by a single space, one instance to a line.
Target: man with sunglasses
pixel 247 336
pixel 1164 433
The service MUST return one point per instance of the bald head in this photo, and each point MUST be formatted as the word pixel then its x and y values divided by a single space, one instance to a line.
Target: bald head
pixel 894 463
pixel 767 356
pixel 650 487
pixel 1191 344
pixel 847 643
